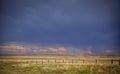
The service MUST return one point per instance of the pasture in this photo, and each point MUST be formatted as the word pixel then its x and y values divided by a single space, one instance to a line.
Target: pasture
pixel 59 65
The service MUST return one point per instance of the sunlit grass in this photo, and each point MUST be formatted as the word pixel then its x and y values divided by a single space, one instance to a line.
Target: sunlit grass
pixel 7 67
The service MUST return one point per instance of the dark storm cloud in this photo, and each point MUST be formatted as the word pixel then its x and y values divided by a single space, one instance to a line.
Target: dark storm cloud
pixel 61 22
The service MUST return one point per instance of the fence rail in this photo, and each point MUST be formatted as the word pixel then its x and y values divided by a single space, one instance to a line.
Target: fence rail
pixel 62 61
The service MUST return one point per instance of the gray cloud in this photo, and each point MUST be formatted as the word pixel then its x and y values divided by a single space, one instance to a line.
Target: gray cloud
pixel 60 22
pixel 14 48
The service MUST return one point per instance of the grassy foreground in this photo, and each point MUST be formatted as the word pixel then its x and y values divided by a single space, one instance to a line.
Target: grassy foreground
pixel 40 65
pixel 28 68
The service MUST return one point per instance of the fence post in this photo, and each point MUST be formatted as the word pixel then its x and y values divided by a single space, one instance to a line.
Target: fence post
pixel 63 61
pixel 48 60
pixel 96 61
pixel 55 60
pixel 72 61
pixel 119 61
pixel 42 61
pixel 83 61
pixel 112 61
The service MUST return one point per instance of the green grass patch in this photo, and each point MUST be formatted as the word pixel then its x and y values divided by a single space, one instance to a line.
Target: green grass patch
pixel 19 68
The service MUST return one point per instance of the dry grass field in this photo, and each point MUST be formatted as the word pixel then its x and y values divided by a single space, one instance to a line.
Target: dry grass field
pixel 59 65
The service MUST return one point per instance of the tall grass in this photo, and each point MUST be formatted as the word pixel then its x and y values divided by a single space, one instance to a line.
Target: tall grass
pixel 28 68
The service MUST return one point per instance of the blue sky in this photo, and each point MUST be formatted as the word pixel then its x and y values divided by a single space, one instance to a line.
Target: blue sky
pixel 78 26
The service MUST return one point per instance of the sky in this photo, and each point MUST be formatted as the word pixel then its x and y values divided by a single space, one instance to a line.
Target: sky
pixel 82 27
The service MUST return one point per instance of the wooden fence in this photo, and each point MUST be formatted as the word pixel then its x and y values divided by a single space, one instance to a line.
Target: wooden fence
pixel 63 61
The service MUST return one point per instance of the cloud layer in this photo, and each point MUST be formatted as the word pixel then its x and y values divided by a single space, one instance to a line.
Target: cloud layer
pixel 20 49
pixel 15 49
pixel 75 26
